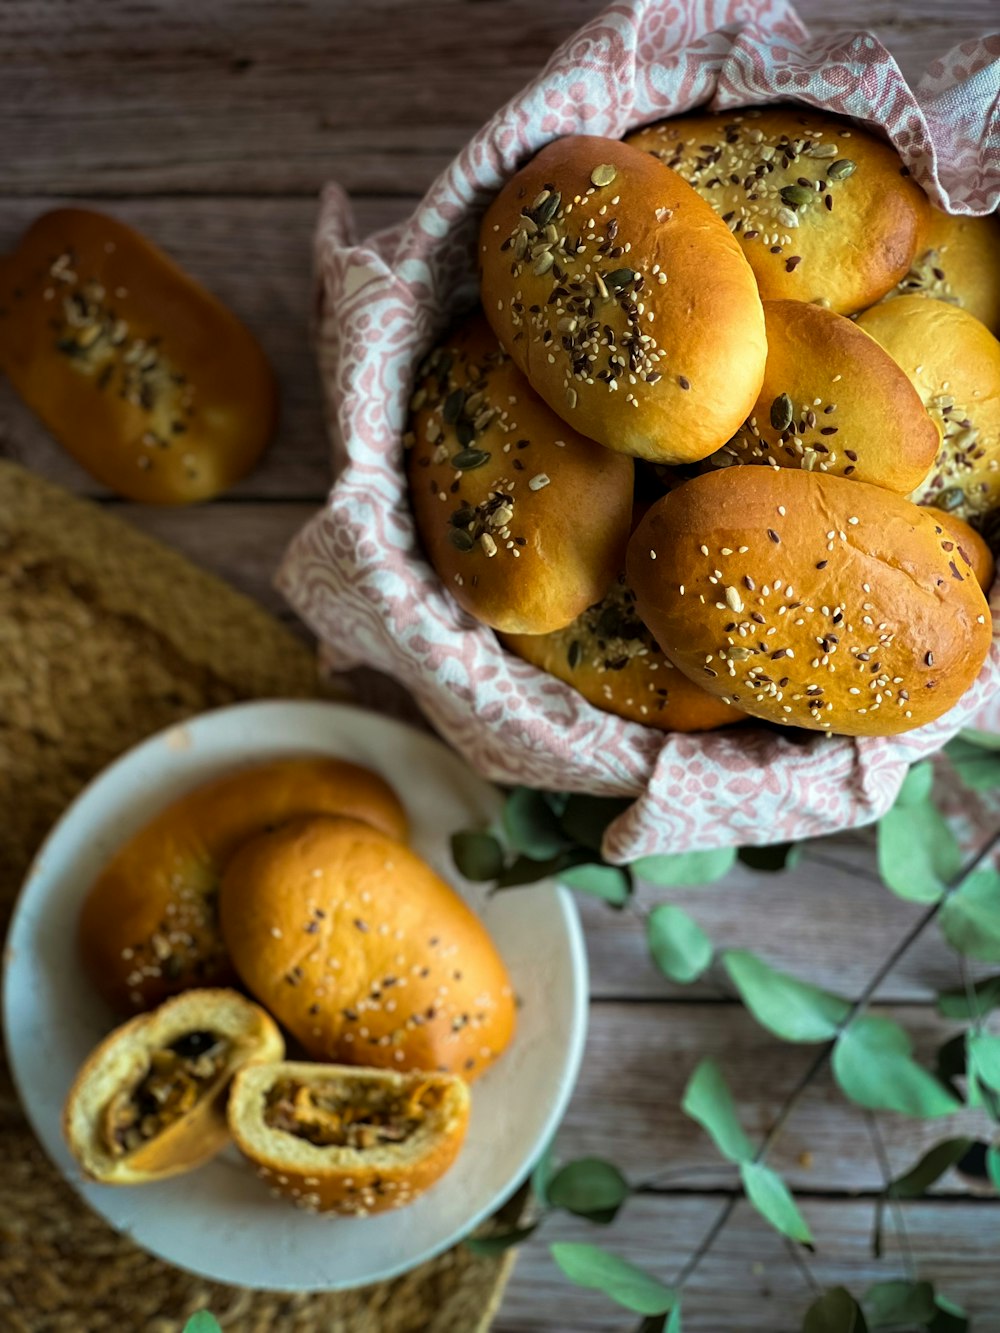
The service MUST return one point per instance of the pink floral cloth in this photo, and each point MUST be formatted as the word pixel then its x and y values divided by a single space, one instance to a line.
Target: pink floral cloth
pixel 356 573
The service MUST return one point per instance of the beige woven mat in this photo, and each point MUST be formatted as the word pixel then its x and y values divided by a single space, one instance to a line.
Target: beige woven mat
pixel 105 637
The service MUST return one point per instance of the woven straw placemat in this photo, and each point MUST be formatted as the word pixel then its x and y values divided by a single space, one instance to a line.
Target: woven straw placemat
pixel 106 637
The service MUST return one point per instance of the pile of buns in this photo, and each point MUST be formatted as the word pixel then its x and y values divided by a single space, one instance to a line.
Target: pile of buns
pixel 291 881
pixel 723 439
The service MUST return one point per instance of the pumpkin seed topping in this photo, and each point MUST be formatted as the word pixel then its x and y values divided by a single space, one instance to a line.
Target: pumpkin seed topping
pixel 467 460
pixel 603 175
pixel 782 412
pixel 841 169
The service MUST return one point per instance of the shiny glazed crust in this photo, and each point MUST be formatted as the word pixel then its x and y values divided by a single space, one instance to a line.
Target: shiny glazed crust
pixel 534 528
pixel 810 601
pixel 346 1181
pixel 823 211
pixel 362 952
pixel 640 325
pixel 148 927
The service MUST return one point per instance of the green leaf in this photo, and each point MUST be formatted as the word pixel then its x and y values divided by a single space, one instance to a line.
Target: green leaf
pixel 917 784
pixel 949 1317
pixel 836 1311
pixel 874 1067
pixel 977 768
pixel 777 856
pixel 984 1058
pixel 590 1266
pixel 608 882
pixel 707 1100
pixel 679 946
pixel 918 854
pixel 929 1169
pixel 685 868
pixel 773 1200
pixel 478 856
pixel 993 1166
pixel 960 1005
pixel 791 1009
pixel 590 1188
pixel 500 1240
pixel 531 824
pixel 585 818
pixel 202 1322
pixel 986 740
pixel 897 1302
pixel 526 870
pixel 970 919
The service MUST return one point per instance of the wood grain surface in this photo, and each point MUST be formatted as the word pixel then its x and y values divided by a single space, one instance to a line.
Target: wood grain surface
pixel 211 127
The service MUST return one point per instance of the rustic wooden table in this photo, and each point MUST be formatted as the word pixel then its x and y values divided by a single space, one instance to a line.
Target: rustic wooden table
pixel 211 127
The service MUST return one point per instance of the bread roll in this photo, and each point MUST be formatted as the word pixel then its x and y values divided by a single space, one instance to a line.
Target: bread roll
pixel 532 526
pixel 833 401
pixel 811 601
pixel 361 951
pixel 349 1141
pixel 610 657
pixel 150 1100
pixel 824 211
pixel 960 264
pixel 969 547
pixel 953 362
pixel 149 925
pixel 625 302
pixel 147 379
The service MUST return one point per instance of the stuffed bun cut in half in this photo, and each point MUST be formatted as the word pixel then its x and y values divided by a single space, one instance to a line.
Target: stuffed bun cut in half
pixel 150 1102
pixel 342 1139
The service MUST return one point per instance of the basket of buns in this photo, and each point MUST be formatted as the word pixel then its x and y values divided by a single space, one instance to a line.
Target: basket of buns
pixel 667 429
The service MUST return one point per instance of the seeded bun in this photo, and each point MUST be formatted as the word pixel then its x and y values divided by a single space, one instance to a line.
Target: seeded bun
pixel 101 1111
pixel 969 547
pixel 833 401
pixel 609 656
pixel 824 212
pixel 810 601
pixel 362 952
pixel 960 264
pixel 149 928
pixel 953 362
pixel 533 528
pixel 318 1133
pixel 592 236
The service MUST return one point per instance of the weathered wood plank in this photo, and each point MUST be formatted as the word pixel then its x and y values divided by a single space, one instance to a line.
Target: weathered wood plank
pixel 639 1057
pixel 248 96
pixel 749 1284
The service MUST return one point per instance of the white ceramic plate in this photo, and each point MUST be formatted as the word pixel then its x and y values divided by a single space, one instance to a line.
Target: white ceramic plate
pixel 219 1221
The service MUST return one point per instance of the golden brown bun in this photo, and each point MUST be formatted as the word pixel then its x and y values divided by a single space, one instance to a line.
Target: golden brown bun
pixel 535 528
pixel 610 657
pixel 833 401
pixel 953 362
pixel 149 928
pixel 338 1174
pixel 959 262
pixel 148 380
pixel 861 222
pixel 101 1110
pixel 969 548
pixel 810 601
pixel 644 257
pixel 360 950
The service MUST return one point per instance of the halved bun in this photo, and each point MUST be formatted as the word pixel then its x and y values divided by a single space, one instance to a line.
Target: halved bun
pixel 150 1100
pixel 148 927
pixel 347 1140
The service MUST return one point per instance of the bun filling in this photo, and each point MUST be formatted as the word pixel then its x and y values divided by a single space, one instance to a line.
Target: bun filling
pixel 361 1115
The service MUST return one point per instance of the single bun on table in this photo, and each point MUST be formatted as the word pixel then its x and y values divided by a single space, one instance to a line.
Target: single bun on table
pixel 624 300
pixel 149 927
pixel 953 362
pixel 960 264
pixel 810 601
pixel 823 211
pixel 833 401
pixel 969 547
pixel 352 1141
pixel 150 1101
pixel 524 520
pixel 362 952
pixel 609 656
